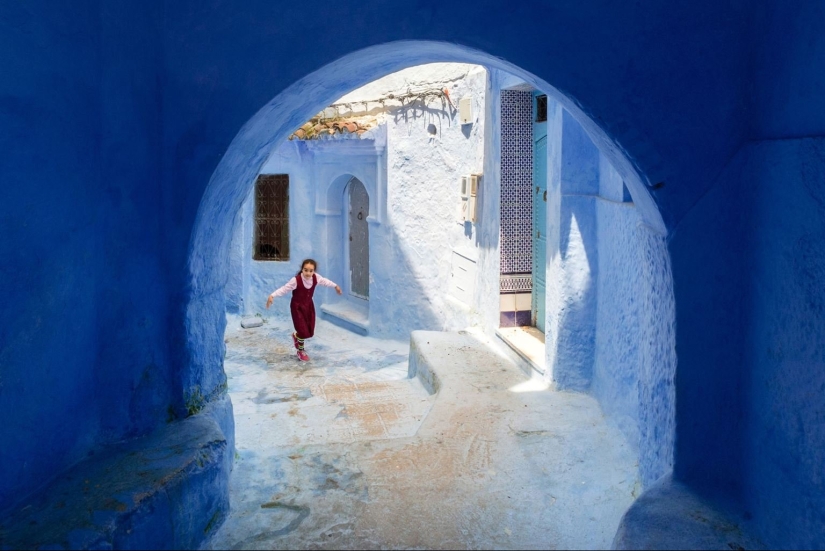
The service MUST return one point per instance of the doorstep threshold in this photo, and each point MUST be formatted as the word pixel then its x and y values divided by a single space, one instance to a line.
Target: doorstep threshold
pixel 527 342
pixel 349 317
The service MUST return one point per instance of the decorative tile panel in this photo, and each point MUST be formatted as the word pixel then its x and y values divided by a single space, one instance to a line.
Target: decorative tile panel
pixel 516 283
pixel 516 183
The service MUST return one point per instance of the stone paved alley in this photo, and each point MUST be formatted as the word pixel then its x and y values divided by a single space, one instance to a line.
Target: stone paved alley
pixel 346 451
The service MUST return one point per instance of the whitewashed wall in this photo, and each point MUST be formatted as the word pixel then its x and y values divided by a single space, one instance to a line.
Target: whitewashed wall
pixel 410 166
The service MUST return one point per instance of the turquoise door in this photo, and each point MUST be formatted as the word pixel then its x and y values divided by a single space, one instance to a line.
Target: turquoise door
pixel 539 223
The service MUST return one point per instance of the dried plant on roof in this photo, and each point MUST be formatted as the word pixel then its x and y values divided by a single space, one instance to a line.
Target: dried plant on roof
pixel 325 125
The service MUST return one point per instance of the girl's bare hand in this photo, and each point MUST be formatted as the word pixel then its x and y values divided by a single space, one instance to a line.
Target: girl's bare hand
pixel 269 301
pixel 338 289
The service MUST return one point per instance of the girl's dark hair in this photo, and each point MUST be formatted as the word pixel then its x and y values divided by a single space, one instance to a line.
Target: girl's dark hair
pixel 305 262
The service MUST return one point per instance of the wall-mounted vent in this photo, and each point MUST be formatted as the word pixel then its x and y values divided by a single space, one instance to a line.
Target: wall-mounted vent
pixel 462 278
pixel 541 108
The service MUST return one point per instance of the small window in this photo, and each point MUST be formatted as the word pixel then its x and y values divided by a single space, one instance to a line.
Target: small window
pixel 272 217
pixel 541 108
pixel 626 198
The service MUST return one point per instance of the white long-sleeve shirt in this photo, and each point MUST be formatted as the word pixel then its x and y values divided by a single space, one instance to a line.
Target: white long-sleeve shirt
pixel 292 284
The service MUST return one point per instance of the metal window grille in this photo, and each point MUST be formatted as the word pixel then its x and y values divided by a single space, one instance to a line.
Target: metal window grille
pixel 272 217
pixel 541 108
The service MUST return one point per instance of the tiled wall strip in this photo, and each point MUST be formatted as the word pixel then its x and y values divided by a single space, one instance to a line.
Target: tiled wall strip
pixel 516 187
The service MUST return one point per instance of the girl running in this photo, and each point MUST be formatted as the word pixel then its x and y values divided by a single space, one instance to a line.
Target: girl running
pixel 302 308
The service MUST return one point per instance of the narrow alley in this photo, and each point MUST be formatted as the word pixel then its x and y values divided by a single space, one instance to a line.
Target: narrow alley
pixel 346 451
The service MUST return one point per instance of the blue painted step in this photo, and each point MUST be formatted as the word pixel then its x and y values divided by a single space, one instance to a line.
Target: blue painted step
pixel 669 515
pixel 168 490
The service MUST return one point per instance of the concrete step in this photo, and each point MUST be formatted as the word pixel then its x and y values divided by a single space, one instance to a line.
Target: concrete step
pixel 349 316
pixel 445 361
pixel 168 490
pixel 528 343
pixel 669 515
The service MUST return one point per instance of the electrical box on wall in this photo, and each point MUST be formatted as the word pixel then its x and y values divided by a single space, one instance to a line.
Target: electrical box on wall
pixel 461 211
pixel 474 184
pixel 465 110
pixel 469 186
pixel 471 209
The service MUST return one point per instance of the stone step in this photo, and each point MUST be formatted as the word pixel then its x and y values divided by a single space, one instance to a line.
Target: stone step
pixel 348 316
pixel 669 515
pixel 528 343
pixel 445 361
pixel 168 490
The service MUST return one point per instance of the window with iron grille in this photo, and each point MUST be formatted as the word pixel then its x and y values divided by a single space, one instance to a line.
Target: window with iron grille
pixel 272 217
pixel 541 108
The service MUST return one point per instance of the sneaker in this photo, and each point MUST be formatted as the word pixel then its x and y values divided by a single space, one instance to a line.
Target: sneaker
pixel 295 341
pixel 303 356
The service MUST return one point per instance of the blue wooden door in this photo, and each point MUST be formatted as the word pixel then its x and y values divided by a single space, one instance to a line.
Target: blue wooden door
pixel 539 225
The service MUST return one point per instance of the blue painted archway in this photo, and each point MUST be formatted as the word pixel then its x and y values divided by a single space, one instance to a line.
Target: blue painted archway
pixel 229 185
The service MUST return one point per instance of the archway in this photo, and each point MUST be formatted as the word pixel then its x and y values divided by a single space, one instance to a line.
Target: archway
pixel 275 121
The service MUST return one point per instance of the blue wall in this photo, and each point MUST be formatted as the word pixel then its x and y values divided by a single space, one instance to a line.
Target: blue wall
pixel 620 295
pixel 578 254
pixel 611 321
pixel 114 116
pixel 748 283
pixel 748 265
pixel 784 387
pixel 51 132
pixel 708 255
pixel 788 82
pixel 83 357
pixel 133 364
